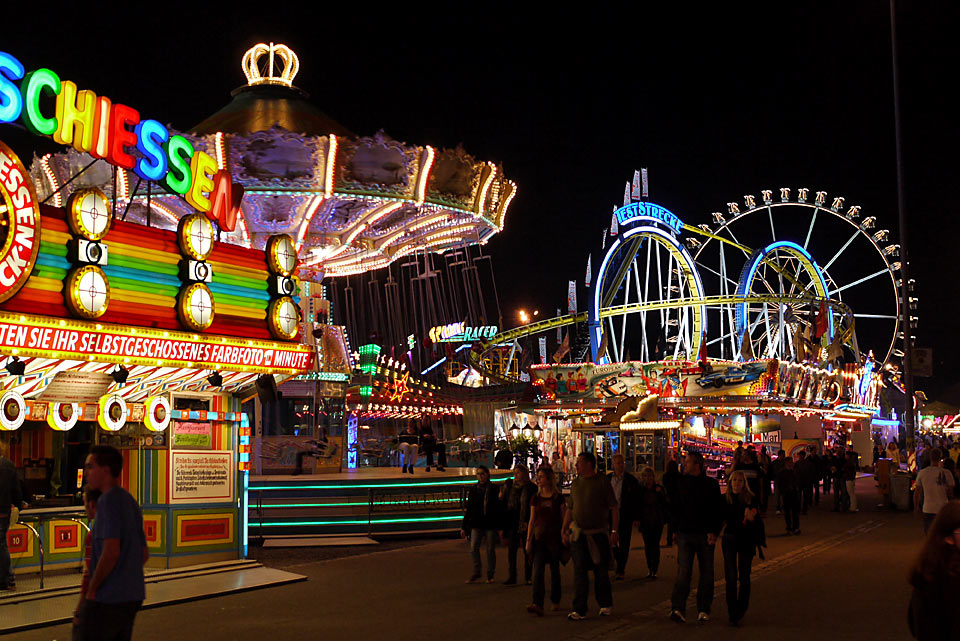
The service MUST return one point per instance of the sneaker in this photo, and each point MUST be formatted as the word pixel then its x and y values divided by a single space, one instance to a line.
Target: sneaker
pixel 510 582
pixel 703 617
pixel 473 579
pixel 576 616
pixel 440 468
pixel 491 580
pixel 426 469
pixel 533 608
pixel 404 469
pixel 607 611
pixel 677 616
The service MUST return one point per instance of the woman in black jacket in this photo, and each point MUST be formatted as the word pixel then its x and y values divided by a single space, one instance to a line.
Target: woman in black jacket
pixel 741 536
pixel 652 514
pixel 934 611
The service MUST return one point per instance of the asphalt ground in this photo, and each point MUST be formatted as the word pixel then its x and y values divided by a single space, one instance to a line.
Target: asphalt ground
pixel 842 578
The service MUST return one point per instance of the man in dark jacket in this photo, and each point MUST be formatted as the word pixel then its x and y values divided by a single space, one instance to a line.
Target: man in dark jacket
pixel 789 483
pixel 515 496
pixel 805 476
pixel 697 514
pixel 626 487
pixel 482 519
pixel 10 497
pixel 775 466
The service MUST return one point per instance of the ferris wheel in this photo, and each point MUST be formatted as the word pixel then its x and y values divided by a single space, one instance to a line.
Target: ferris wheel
pixel 783 265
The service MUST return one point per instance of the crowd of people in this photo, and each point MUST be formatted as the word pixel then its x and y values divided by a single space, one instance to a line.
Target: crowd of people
pixel 593 528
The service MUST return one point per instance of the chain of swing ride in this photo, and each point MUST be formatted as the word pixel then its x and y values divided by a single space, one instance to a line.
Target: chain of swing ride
pixel 410 297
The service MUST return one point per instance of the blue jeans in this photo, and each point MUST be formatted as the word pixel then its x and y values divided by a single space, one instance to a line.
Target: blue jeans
pixel 582 564
pixel 690 545
pixel 6 578
pixel 476 535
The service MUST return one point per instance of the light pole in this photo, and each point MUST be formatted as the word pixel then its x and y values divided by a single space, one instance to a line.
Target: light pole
pixel 909 414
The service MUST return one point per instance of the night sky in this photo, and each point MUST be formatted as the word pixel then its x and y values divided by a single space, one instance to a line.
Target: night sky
pixel 716 105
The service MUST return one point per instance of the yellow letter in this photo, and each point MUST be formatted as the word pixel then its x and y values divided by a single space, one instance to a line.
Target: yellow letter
pixel 76 112
pixel 203 167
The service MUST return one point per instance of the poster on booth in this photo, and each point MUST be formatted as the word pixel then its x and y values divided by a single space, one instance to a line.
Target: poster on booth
pixel 190 435
pixel 201 477
pixel 671 379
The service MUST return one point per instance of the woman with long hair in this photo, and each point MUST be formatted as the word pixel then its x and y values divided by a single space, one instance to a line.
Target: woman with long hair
pixel 935 577
pixel 544 542
pixel 742 533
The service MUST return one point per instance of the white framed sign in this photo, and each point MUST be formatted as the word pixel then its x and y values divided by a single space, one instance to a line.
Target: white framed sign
pixel 201 476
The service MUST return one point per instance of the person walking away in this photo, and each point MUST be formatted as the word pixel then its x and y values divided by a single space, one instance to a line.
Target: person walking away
pixel 626 487
pixel 775 467
pixel 10 498
pixel 481 520
pixel 741 536
pixel 751 470
pixel 790 493
pixel 850 467
pixel 840 498
pixel 516 494
pixel 408 443
pixel 934 612
pixel 652 513
pixel 816 467
pixel 544 541
pixel 934 486
pixel 805 474
pixel 670 480
pixel 764 460
pixel 90 498
pixel 586 529
pixel 697 514
pixel 116 589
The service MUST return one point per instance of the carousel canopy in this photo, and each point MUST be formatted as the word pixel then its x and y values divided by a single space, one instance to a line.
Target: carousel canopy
pixel 352 203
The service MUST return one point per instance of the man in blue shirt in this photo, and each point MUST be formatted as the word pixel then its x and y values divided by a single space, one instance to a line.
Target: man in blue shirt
pixel 119 552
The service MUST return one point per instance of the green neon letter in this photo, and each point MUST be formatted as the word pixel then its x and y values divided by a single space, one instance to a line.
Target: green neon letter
pixel 179 152
pixel 33 85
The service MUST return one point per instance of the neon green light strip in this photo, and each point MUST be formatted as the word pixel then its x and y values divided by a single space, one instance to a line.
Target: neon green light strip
pixel 421 519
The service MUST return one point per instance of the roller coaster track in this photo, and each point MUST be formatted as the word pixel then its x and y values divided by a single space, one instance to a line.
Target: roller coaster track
pixel 517 333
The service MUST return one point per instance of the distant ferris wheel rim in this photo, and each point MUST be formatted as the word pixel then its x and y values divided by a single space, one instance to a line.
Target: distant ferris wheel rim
pixel 849 217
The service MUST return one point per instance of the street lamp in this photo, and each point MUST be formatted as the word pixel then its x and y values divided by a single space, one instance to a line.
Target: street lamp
pixel 524 317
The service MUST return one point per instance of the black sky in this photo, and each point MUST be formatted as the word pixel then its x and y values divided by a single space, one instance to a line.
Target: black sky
pixel 716 104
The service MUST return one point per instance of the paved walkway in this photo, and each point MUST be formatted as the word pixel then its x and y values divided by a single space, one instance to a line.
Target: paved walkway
pixel 844 578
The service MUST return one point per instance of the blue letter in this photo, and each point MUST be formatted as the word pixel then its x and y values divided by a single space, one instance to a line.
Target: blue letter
pixel 11 102
pixel 150 137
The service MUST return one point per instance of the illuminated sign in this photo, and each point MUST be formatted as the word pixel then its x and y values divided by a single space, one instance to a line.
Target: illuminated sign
pixel 93 124
pixel 48 338
pixel 19 222
pixel 460 333
pixel 648 211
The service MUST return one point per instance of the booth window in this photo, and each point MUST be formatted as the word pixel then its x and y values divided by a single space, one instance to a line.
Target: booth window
pixel 293 416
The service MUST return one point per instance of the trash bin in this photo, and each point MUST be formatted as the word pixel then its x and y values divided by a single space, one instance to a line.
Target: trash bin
pixel 900 491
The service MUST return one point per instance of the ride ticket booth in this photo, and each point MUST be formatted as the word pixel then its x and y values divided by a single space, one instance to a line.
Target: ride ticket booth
pixel 145 339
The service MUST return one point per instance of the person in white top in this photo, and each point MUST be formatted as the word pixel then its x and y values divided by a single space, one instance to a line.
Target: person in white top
pixel 934 487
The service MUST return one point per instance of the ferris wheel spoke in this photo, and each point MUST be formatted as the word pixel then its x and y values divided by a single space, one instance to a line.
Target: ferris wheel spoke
pixel 813 221
pixel 842 249
pixel 718 274
pixel 740 245
pixel 773 232
pixel 860 281
pixel 883 316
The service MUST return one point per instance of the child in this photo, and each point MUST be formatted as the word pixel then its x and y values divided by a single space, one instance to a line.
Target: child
pixel 90 498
